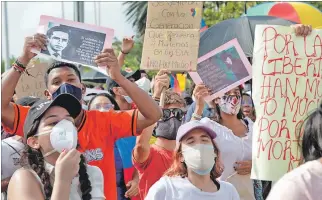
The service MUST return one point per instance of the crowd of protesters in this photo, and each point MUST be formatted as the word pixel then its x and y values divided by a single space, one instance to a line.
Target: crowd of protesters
pixel 53 148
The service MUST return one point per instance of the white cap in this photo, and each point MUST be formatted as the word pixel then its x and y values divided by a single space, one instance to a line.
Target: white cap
pixel 192 125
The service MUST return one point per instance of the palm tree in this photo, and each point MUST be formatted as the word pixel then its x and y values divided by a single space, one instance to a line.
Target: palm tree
pixel 136 13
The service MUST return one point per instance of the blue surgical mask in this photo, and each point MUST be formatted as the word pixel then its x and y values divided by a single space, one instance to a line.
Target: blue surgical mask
pixel 69 89
pixel 128 99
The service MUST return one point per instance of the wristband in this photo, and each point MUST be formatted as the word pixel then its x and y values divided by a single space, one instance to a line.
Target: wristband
pixel 19 64
pixel 196 116
pixel 124 52
pixel 18 68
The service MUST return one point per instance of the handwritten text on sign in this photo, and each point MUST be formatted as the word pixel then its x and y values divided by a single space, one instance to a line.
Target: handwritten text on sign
pixel 171 49
pixel 287 86
pixel 33 85
pixel 172 36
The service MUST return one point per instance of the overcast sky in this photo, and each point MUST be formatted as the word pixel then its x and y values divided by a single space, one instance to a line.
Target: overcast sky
pixel 23 18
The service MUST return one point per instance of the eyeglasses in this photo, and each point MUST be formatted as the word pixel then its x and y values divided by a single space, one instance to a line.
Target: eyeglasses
pixel 104 106
pixel 176 112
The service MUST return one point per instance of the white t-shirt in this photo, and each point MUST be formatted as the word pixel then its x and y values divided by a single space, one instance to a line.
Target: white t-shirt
pixel 10 155
pixel 232 149
pixel 177 188
pixel 303 183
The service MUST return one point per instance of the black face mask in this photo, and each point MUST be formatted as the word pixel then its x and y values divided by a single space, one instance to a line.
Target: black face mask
pixel 69 89
pixel 167 129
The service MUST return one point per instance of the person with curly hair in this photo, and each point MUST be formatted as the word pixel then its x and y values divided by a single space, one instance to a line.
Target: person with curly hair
pixel 52 166
pixel 195 168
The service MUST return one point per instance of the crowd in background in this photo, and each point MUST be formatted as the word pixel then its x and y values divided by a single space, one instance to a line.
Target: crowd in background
pixel 122 145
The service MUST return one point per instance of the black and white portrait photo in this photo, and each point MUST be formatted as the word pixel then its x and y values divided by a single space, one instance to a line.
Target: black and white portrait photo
pixel 68 43
pixel 58 38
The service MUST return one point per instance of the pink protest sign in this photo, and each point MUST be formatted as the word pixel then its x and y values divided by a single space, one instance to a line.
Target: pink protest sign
pixel 222 69
pixel 70 41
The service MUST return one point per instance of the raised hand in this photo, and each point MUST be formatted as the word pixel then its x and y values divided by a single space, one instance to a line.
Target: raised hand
pixel 162 81
pixel 200 92
pixel 127 44
pixel 108 59
pixel 37 41
pixel 67 165
pixel 244 167
pixel 302 30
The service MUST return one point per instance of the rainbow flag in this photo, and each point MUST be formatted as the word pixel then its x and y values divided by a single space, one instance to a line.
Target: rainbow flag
pixel 182 81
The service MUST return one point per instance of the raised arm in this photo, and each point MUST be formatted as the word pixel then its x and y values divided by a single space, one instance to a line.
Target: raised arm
pixel 142 148
pixel 199 93
pixel 149 111
pixel 127 45
pixel 10 80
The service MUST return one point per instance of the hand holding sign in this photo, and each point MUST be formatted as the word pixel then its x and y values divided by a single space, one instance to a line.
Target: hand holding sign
pixel 37 41
pixel 107 58
pixel 162 82
pixel 302 30
pixel 200 92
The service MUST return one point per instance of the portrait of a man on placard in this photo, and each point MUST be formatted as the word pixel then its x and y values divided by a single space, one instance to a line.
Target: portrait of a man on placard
pixel 58 39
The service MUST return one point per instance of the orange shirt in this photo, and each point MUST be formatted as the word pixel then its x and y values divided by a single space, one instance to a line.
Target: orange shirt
pixel 96 135
pixel 150 171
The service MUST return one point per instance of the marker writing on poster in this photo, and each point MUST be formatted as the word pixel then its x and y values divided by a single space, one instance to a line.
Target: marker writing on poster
pixel 291 87
pixel 89 48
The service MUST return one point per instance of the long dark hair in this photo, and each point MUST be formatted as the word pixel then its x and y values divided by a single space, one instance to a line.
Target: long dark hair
pixel 312 136
pixel 112 100
pixel 34 159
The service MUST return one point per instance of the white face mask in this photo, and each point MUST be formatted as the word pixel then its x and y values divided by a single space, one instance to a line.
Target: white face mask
pixel 128 99
pixel 200 158
pixel 62 136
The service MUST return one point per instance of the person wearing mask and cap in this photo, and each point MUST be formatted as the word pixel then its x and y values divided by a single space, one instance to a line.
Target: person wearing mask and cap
pixel 121 97
pixel 97 131
pixel 195 169
pixel 53 167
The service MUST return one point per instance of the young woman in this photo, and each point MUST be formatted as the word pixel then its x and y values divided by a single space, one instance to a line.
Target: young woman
pixel 304 182
pixel 126 176
pixel 52 167
pixel 195 168
pixel 234 139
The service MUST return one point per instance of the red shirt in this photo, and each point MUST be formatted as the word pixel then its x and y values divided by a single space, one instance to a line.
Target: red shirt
pixel 150 171
pixel 96 135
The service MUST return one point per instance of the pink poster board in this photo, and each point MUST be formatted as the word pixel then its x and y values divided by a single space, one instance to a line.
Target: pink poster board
pixel 71 41
pixel 222 69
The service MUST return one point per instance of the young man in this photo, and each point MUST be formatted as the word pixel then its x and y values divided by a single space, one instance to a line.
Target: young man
pixel 97 131
pixel 152 161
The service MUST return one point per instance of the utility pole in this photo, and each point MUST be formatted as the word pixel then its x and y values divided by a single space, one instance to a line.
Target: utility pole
pixel 6 34
pixel 79 11
pixel 62 10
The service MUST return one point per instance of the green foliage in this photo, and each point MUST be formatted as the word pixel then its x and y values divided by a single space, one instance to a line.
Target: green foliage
pixel 3 64
pixel 133 59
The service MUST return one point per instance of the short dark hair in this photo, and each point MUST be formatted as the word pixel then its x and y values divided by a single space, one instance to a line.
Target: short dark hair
pixel 58 64
pixel 60 28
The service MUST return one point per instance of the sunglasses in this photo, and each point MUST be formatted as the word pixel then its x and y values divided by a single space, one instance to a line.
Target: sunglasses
pixel 173 112
pixel 105 106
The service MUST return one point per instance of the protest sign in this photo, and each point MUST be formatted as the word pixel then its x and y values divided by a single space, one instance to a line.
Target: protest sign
pixel 222 69
pixel 71 41
pixel 33 84
pixel 171 39
pixel 286 88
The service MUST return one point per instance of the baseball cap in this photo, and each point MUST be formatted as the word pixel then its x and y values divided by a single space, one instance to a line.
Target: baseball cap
pixel 128 73
pixel 27 101
pixel 38 109
pixel 192 125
